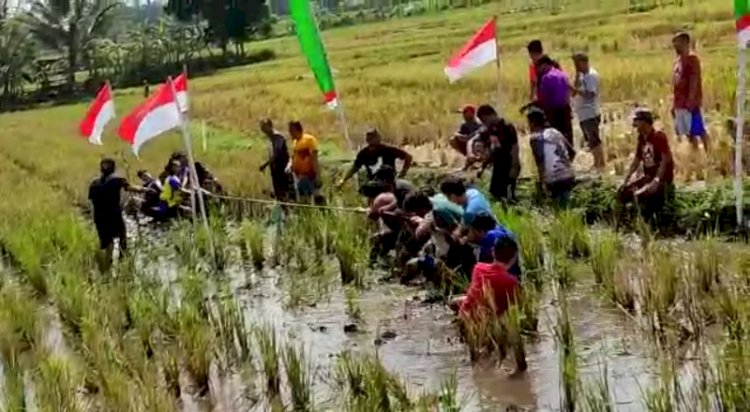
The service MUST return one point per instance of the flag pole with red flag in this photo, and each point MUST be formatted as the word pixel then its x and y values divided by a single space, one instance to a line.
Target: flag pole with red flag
pixel 480 50
pixel 101 112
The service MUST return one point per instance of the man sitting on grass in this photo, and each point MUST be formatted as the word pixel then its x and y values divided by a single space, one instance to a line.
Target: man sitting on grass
pixel 492 289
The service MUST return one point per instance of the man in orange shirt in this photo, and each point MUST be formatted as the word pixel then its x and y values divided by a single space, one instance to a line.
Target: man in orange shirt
pixel 305 165
pixel 688 93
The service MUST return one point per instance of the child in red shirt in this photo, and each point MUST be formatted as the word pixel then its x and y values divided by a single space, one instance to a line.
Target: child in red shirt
pixel 493 281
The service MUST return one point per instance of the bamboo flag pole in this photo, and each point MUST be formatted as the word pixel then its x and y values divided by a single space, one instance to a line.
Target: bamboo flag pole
pixel 499 92
pixel 739 136
pixel 195 185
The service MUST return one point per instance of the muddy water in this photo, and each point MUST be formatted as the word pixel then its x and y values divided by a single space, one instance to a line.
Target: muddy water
pixel 426 347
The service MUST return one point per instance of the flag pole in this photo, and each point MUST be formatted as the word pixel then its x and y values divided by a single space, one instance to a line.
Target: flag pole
pixel 739 130
pixel 497 66
pixel 195 185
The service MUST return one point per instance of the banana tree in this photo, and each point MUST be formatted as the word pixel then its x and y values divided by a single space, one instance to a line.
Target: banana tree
pixel 17 55
pixel 67 26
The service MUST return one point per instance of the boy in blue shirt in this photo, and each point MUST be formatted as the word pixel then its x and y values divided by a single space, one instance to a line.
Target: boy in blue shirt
pixel 484 231
pixel 469 198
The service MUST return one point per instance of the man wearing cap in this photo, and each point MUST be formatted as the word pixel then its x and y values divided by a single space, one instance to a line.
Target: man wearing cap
pixel 654 156
pixel 469 127
pixel 376 155
pixel 553 96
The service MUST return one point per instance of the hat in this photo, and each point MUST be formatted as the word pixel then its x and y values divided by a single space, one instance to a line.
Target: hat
pixel 643 114
pixel 468 108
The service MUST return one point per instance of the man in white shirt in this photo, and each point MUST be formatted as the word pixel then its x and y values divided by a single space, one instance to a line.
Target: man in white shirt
pixel 586 92
pixel 551 154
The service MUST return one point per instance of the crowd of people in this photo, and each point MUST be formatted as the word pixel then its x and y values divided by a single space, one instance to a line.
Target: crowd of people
pixel 455 226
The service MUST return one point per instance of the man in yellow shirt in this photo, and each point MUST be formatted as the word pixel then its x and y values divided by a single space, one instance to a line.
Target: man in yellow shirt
pixel 305 165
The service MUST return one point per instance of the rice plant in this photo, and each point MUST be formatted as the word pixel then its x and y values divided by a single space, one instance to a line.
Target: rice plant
pixel 268 348
pixel 568 359
pixel 561 270
pixel 596 395
pixel 708 258
pixel 367 386
pixel 606 249
pixel 197 341
pixel 448 396
pixel 56 386
pixel 528 231
pixel 252 234
pixel 568 235
pixel 299 377
pixel 660 288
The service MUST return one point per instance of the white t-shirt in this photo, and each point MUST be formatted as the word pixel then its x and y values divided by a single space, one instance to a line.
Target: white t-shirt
pixel 551 150
pixel 587 108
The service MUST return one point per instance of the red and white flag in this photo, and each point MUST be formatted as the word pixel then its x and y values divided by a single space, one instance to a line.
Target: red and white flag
pixel 101 112
pixel 159 114
pixel 478 51
pixel 181 88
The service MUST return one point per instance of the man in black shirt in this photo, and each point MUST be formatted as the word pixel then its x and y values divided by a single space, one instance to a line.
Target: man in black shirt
pixel 278 160
pixel 104 194
pixel 502 139
pixel 375 156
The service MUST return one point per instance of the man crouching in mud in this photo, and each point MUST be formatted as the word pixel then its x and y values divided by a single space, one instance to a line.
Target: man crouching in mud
pixel 104 194
pixel 491 293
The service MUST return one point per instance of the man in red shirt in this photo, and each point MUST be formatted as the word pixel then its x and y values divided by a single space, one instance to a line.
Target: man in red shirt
pixel 536 51
pixel 688 93
pixel 655 157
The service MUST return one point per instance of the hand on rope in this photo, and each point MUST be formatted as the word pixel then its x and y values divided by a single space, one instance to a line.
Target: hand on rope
pixel 290 204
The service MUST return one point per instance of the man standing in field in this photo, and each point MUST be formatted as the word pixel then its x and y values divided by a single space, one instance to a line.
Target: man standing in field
pixel 278 159
pixel 375 156
pixel 536 52
pixel 305 165
pixel 502 139
pixel 688 93
pixel 586 90
pixel 554 98
pixel 653 154
pixel 104 194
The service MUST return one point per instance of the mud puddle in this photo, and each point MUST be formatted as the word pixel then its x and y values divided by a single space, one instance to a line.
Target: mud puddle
pixel 419 343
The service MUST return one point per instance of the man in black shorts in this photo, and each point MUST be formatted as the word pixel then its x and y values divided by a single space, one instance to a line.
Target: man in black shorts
pixel 502 139
pixel 375 156
pixel 278 160
pixel 104 194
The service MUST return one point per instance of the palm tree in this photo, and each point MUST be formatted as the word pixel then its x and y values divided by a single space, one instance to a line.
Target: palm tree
pixel 67 25
pixel 17 55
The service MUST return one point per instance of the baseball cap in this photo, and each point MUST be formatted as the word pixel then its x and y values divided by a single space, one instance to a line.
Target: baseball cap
pixel 468 108
pixel 643 114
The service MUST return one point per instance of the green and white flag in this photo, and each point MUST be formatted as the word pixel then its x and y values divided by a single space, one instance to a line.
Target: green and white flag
pixel 742 21
pixel 313 48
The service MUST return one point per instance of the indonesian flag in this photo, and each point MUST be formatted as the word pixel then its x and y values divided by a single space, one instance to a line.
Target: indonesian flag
pixel 742 22
pixel 478 51
pixel 181 88
pixel 159 114
pixel 101 112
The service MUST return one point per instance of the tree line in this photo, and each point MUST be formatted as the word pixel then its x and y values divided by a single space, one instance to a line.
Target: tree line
pixel 58 50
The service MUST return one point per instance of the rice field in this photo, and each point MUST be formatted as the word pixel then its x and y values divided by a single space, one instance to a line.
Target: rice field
pixel 292 317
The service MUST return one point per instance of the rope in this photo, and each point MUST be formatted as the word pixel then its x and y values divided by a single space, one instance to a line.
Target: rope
pixel 290 204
